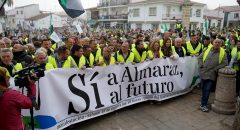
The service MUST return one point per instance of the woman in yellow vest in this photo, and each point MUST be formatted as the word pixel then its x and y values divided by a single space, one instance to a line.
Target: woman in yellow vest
pixel 235 64
pixel 106 58
pixel 8 63
pixel 167 49
pixel 155 51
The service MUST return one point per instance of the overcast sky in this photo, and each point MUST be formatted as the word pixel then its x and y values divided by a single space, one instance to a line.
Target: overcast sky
pixel 53 5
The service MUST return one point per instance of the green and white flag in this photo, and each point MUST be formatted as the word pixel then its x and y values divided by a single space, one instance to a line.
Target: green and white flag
pixel 205 28
pixel 73 8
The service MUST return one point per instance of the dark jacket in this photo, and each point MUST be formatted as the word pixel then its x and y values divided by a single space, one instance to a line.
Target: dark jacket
pixel 22 57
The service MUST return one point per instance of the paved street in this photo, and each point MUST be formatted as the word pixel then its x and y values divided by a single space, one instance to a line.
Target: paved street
pixel 180 113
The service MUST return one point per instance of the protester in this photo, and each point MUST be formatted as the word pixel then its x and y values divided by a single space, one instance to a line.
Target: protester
pixel 235 63
pixel 21 56
pixel 178 48
pixel 8 62
pixel 76 53
pixel 193 47
pixel 106 58
pixel 139 52
pixel 87 59
pixel 124 55
pixel 2 44
pixel 40 58
pixel 155 50
pixel 62 59
pixel 210 61
pixel 47 45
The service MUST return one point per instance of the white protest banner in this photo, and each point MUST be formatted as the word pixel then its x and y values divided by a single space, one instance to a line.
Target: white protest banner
pixel 55 37
pixel 79 29
pixel 69 96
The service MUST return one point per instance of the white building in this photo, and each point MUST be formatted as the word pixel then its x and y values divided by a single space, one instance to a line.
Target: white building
pixel 231 15
pixel 16 17
pixel 214 17
pixel 153 14
pixel 42 21
pixel 113 13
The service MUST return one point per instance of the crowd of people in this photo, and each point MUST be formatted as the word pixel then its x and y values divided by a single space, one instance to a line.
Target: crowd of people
pixel 214 51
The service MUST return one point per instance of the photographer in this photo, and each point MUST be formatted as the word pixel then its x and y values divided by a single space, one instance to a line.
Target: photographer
pixel 11 103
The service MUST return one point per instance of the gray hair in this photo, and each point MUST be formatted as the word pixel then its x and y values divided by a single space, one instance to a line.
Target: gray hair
pixel 6 50
pixel 39 52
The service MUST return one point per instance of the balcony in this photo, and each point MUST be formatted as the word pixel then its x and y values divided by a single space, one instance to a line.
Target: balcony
pixel 114 3
pixel 171 16
pixel 114 17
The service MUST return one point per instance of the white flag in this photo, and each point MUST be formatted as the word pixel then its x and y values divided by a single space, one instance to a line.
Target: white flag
pixel 79 29
pixel 55 37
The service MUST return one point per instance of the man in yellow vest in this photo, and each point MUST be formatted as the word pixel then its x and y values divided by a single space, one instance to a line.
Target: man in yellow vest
pixel 206 43
pixel 87 59
pixel 8 62
pixel 95 50
pixel 40 58
pixel 178 48
pixel 193 47
pixel 235 64
pixel 178 27
pixel 124 55
pixel 62 59
pixel 210 61
pixel 106 58
pixel 47 45
pixel 139 52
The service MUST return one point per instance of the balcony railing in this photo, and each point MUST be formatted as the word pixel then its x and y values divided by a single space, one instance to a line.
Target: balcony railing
pixel 171 16
pixel 124 16
pixel 114 3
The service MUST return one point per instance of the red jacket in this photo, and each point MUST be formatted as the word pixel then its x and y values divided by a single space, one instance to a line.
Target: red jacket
pixel 11 104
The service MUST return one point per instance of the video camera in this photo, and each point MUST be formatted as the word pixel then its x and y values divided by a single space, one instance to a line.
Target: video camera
pixel 23 76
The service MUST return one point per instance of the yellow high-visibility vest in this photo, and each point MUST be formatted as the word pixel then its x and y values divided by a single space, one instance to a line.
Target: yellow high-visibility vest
pixel 221 55
pixel 120 58
pixel 83 60
pixel 137 57
pixel 191 50
pixel 112 61
pixel 233 53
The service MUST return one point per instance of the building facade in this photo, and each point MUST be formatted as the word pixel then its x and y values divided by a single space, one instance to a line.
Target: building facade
pixel 16 17
pixel 214 17
pixel 113 13
pixel 42 21
pixel 154 14
pixel 231 15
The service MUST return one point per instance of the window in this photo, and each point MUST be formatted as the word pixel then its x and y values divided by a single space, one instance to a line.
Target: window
pixel 17 12
pixel 21 12
pixel 236 15
pixel 135 12
pixel 180 9
pixel 153 11
pixel 198 13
